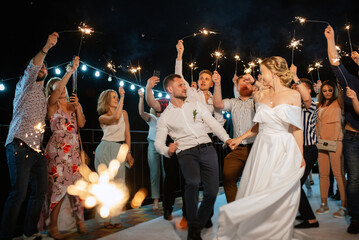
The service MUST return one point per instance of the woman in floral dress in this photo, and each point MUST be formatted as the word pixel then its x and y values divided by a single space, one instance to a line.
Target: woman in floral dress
pixel 62 152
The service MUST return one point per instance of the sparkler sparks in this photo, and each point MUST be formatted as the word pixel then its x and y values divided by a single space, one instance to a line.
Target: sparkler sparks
pixel 294 44
pixel 102 189
pixel 303 20
pixel 200 32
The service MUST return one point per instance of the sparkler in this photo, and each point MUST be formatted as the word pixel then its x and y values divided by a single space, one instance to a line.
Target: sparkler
pixel 200 32
pixel 302 20
pixel 310 70
pixel 237 58
pixel 347 27
pixel 318 65
pixel 101 188
pixel 294 44
pixel 217 55
pixel 193 67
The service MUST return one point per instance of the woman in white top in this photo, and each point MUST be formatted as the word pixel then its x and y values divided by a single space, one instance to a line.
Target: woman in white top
pixel 153 157
pixel 116 131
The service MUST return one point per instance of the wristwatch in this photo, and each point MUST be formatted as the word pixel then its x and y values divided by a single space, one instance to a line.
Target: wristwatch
pixel 298 83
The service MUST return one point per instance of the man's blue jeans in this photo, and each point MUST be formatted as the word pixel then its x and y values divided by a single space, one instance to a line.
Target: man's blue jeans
pixel 25 167
pixel 351 161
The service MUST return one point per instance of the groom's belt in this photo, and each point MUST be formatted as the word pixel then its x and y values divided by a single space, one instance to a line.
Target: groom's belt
pixel 202 145
pixel 245 145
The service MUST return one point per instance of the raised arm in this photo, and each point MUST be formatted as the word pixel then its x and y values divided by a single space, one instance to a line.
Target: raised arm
pixel 40 56
pixel 353 96
pixel 109 120
pixel 249 78
pixel 150 98
pixel 145 116
pixel 304 93
pixel 332 51
pixel 54 97
pixel 217 93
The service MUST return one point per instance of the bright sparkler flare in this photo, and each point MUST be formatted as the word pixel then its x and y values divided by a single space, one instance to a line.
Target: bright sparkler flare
pixel 251 64
pixel 248 70
pixel 138 68
pixel 310 69
pixel 318 64
pixel 301 20
pixel 217 54
pixel 347 27
pixel 133 70
pixel 259 61
pixel 294 44
pixel 102 189
pixel 192 65
pixel 85 30
pixel 237 57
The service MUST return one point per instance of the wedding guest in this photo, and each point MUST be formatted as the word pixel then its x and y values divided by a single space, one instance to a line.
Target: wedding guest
pixel 116 131
pixel 153 157
pixel 62 152
pixel 351 134
pixel 242 110
pixel 183 122
pixel 329 127
pixel 310 151
pixel 26 162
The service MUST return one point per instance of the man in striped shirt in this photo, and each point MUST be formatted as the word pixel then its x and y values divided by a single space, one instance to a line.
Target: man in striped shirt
pixel 310 151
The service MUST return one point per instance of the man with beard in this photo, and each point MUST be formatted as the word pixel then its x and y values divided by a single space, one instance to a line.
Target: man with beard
pixel 26 162
pixel 242 109
pixel 184 121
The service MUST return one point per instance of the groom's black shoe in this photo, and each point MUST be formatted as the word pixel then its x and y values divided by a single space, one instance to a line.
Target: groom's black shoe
pixel 194 233
pixel 299 218
pixel 306 224
pixel 167 214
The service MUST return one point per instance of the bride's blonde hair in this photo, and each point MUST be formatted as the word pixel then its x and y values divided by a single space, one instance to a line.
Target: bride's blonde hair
pixel 279 67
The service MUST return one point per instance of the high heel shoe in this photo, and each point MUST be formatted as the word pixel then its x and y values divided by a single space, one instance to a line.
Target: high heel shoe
pixel 81 228
pixel 55 233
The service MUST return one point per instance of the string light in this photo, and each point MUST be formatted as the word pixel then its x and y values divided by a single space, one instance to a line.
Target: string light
pixel 2 87
pixel 57 71
pixel 97 74
pixel 83 67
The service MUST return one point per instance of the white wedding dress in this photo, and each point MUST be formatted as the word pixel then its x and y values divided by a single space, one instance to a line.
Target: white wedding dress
pixel 269 192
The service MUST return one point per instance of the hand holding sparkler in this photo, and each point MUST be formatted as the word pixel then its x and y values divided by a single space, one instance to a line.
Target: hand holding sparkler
pixel 75 64
pixel 351 94
pixel 180 50
pixel 234 79
pixel 355 57
pixel 329 33
pixel 121 91
pixel 51 41
pixel 216 78
pixel 194 85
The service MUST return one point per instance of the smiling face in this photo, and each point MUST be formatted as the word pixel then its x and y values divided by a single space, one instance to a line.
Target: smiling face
pixel 113 99
pixel 205 82
pixel 177 88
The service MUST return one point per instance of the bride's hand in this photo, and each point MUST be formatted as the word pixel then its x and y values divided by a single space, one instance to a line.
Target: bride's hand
pixel 235 142
pixel 303 163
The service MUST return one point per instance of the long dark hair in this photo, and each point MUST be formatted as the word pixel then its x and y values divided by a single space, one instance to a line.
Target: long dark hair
pixel 321 98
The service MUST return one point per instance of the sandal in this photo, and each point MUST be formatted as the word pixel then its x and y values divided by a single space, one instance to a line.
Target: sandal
pixel 81 228
pixel 55 233
pixel 323 209
pixel 108 225
pixel 117 225
pixel 342 212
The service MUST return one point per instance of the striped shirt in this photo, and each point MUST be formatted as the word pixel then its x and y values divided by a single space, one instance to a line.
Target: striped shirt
pixel 309 118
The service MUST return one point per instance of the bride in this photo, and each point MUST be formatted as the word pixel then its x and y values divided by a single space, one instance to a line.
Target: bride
pixel 269 192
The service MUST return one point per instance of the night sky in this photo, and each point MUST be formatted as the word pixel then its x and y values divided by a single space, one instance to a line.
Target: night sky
pixel 146 33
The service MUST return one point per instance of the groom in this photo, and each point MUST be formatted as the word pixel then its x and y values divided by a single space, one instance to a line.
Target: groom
pixel 183 120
